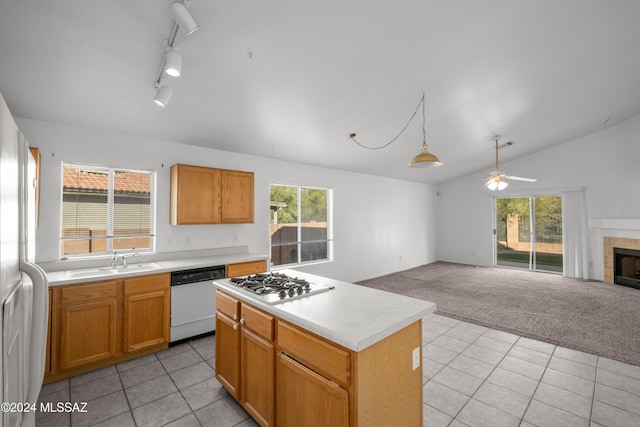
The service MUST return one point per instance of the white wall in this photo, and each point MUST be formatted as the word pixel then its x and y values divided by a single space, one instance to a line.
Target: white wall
pixel 380 225
pixel 606 164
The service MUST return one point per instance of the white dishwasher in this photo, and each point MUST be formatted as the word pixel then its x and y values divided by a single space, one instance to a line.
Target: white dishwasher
pixel 193 301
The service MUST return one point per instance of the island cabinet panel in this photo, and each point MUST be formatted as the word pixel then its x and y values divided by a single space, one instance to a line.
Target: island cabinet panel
pixel 386 371
pixel 321 356
pixel 88 324
pixel 246 268
pixel 228 354
pixel 304 398
pixel 257 377
pixel 147 311
pixel 202 195
pixel 292 377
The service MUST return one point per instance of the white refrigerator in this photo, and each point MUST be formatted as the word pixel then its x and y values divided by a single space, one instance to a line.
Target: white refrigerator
pixel 23 285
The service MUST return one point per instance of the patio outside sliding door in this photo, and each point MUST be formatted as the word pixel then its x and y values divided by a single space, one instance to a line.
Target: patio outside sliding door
pixel 529 232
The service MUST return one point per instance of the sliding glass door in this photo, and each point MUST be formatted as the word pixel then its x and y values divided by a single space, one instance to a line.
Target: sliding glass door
pixel 529 232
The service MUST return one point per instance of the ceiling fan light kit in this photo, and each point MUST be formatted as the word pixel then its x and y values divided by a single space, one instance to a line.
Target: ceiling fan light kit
pixel 496 177
pixel 422 160
pixel 171 63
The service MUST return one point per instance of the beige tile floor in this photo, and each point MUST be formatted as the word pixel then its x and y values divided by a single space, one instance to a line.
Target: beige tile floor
pixel 473 376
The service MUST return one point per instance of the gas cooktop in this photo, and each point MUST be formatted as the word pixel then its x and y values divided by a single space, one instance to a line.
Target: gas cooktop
pixel 274 288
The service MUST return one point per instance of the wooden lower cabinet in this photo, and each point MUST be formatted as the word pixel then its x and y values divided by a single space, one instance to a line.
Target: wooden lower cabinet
pixel 228 354
pixel 147 312
pixel 304 398
pixel 246 268
pixel 286 376
pixel 257 375
pixel 245 356
pixel 88 316
pixel 97 324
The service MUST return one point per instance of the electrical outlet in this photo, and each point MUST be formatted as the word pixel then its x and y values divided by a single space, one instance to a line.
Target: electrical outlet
pixel 416 358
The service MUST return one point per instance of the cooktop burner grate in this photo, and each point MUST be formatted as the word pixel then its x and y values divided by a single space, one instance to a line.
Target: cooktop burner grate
pixel 277 287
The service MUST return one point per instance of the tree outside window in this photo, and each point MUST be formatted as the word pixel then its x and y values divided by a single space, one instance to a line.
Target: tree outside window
pixel 300 224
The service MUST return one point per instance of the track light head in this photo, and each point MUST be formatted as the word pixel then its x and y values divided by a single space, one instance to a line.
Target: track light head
pixel 173 63
pixel 163 96
pixel 182 16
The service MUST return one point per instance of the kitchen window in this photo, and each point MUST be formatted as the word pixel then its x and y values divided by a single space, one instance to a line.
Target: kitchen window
pixel 106 210
pixel 300 224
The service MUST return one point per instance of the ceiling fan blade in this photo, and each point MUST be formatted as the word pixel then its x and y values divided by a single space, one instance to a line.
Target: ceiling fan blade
pixel 519 178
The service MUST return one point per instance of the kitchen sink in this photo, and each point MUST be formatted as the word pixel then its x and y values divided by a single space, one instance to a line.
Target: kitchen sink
pixel 107 271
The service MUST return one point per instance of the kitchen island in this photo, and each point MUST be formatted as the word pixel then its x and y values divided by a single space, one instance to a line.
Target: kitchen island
pixel 348 356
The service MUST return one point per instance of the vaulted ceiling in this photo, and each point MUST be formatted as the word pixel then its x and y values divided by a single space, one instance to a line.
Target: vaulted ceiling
pixel 292 79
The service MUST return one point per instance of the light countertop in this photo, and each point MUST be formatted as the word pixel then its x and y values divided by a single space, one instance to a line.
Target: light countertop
pixel 350 315
pixel 150 266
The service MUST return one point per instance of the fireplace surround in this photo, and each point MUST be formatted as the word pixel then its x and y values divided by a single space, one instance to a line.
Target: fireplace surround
pixel 626 267
pixel 609 244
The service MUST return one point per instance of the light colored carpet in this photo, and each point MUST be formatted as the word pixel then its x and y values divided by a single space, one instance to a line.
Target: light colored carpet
pixel 589 316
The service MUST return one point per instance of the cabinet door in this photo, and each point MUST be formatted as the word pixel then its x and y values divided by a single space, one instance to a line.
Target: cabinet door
pixel 228 354
pixel 146 311
pixel 257 373
pixel 88 332
pixel 304 398
pixel 195 197
pixel 236 190
pixel 246 268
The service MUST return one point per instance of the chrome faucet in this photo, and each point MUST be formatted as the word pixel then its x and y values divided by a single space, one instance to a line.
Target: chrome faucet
pixel 114 260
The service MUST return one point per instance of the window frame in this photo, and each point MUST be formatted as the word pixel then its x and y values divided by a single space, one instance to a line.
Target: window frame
pixel 111 171
pixel 299 241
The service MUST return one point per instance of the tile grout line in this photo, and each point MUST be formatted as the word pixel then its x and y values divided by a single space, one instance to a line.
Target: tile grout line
pixel 487 377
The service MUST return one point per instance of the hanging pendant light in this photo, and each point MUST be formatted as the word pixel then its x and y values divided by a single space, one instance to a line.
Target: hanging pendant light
pixel 424 159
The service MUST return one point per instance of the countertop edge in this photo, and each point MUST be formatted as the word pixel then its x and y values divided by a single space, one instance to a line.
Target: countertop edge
pixel 354 345
pixel 59 278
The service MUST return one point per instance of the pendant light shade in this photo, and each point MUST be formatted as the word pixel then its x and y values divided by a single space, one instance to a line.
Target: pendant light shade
pixel 173 63
pixel 424 159
pixel 182 16
pixel 163 96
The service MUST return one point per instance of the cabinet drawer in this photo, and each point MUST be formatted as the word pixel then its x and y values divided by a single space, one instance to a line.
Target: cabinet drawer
pixel 257 321
pixel 74 294
pixel 227 305
pixel 246 268
pixel 324 358
pixel 150 283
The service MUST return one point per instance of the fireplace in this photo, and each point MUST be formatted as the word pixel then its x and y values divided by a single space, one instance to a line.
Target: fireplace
pixel 626 267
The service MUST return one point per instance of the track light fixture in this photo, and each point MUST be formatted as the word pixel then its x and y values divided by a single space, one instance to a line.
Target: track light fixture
pixel 163 96
pixel 182 16
pixel 171 62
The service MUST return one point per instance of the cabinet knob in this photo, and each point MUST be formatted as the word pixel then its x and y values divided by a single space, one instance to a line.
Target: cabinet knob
pixel 235 326
pixel 235 317
pixel 242 321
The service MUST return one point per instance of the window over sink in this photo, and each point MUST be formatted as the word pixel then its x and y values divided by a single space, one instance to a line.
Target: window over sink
pixel 300 225
pixel 106 210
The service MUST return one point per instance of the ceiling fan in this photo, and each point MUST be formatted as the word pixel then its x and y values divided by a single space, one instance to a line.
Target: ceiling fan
pixel 496 178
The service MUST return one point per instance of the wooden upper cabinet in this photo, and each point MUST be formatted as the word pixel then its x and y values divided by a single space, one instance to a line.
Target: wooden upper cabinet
pixel 201 195
pixel 236 191
pixel 194 195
